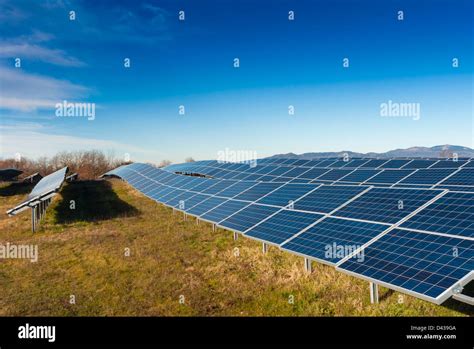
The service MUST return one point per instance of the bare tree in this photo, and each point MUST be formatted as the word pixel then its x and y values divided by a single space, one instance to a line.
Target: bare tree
pixel 164 163
pixel 189 159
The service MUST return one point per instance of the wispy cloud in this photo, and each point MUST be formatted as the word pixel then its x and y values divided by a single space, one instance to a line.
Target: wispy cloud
pixel 27 92
pixel 33 140
pixel 36 52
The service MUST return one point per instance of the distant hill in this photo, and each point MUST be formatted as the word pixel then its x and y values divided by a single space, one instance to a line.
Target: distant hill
pixel 439 151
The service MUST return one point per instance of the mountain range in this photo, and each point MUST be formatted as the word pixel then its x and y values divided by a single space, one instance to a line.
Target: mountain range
pixel 439 151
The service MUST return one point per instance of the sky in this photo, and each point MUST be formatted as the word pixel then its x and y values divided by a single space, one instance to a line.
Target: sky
pixel 190 63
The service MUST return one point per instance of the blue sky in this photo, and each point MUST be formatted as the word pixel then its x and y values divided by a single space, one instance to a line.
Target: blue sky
pixel 190 63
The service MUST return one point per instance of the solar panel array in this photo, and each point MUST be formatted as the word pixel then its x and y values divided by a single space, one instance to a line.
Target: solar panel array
pixel 406 224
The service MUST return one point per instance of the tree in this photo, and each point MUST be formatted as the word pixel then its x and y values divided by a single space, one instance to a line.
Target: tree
pixel 189 159
pixel 164 163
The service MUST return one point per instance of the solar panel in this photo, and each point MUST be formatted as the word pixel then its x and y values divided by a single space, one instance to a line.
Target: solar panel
pixel 453 214
pixel 43 190
pixel 373 163
pixel 287 194
pixel 278 171
pixel 332 239
pixel 414 164
pixel 390 176
pixel 395 163
pixel 464 176
pixel 387 205
pixel 356 163
pixel 359 175
pixel 421 264
pixel 282 226
pixel 224 210
pixel 236 189
pixel 257 191
pixel 313 173
pixel 205 205
pixel 248 217
pixel 327 198
pixel 448 164
pixel 427 176
pixel 218 186
pixel 297 171
pixel 334 175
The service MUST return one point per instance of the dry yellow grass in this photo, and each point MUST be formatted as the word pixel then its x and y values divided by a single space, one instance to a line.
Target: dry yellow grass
pixel 82 253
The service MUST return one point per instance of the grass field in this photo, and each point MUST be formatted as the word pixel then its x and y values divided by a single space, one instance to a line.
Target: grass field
pixel 175 267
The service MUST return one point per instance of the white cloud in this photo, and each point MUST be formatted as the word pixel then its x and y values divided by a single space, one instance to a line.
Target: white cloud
pixel 40 53
pixel 26 92
pixel 33 140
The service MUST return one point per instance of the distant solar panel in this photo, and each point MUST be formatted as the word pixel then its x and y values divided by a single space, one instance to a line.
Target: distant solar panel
pixel 374 163
pixel 395 163
pixel 286 194
pixel 359 175
pixel 389 176
pixel 313 173
pixel 415 164
pixel 334 175
pixel 356 163
pixel 278 171
pixel 297 171
pixel 424 265
pixel 448 164
pixel 427 176
pixel 332 239
pixel 248 217
pixel 464 176
pixel 387 205
pixel 41 192
pixel 224 210
pixel 327 198
pixel 453 214
pixel 282 226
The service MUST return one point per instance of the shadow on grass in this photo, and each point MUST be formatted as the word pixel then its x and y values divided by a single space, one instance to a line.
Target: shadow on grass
pixel 16 188
pixel 94 201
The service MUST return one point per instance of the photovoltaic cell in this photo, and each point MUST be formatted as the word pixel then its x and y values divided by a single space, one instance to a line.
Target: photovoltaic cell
pixel 248 217
pixel 416 262
pixel 282 226
pixel 386 205
pixel 332 239
pixel 327 198
pixel 453 214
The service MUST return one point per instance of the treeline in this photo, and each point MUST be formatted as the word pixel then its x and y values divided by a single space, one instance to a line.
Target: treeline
pixel 88 164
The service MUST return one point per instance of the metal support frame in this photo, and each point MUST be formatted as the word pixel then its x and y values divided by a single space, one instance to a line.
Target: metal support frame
pixel 374 292
pixel 197 221
pixel 264 247
pixel 236 236
pixel 213 227
pixel 307 265
pixel 185 216
pixel 33 219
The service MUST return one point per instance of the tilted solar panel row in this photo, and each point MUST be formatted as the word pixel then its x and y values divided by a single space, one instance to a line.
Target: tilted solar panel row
pixel 315 221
